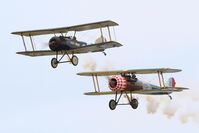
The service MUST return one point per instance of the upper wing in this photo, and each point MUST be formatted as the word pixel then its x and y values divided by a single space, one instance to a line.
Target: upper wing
pixel 85 49
pixel 144 92
pixel 135 71
pixel 81 27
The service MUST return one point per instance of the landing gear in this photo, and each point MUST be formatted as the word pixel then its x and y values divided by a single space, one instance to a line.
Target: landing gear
pixel 112 104
pixel 131 101
pixel 55 61
pixel 134 103
pixel 74 60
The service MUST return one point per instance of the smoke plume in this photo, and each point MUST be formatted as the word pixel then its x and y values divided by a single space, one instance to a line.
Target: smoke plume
pixel 90 64
pixel 184 107
pixel 189 116
pixel 170 110
pixel 152 105
pixel 108 66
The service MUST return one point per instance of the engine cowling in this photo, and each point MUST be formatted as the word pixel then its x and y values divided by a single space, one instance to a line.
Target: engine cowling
pixel 58 44
pixel 54 43
pixel 117 83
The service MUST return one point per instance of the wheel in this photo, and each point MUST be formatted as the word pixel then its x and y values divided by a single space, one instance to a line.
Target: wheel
pixel 112 104
pixel 74 60
pixel 54 62
pixel 134 103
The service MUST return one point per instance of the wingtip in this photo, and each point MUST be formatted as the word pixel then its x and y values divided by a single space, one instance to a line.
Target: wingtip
pixel 173 69
pixel 80 73
pixel 14 33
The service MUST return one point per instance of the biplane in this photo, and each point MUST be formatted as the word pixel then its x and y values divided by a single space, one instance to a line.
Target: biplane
pixel 125 82
pixel 63 45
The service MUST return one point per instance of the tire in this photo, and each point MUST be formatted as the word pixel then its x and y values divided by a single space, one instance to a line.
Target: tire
pixel 112 104
pixel 54 63
pixel 74 60
pixel 134 103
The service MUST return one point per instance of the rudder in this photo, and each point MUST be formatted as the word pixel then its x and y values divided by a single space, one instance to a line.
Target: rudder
pixel 171 82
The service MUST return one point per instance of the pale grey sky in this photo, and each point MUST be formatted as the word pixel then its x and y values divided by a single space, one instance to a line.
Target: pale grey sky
pixel 35 98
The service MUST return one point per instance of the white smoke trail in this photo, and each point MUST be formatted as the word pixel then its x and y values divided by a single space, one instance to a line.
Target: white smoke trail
pixel 170 109
pixel 189 116
pixel 90 64
pixel 108 66
pixel 152 105
pixel 184 107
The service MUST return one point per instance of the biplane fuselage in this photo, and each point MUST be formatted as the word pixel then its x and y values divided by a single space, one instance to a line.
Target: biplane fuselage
pixel 131 83
pixel 65 43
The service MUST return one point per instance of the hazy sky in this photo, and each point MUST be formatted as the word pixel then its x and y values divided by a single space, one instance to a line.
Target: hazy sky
pixel 35 98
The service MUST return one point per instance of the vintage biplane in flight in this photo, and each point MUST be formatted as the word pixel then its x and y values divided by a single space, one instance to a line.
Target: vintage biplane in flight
pixel 62 44
pixel 125 82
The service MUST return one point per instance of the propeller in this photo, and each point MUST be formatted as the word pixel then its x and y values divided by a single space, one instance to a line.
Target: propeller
pixel 113 82
pixel 45 45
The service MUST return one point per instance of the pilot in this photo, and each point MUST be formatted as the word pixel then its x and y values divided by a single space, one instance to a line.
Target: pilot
pixel 61 37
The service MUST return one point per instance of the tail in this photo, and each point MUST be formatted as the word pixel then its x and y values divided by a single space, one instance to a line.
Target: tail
pixel 171 82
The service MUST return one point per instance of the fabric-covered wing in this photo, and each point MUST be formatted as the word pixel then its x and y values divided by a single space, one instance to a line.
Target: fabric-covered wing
pixel 85 49
pixel 135 71
pixel 81 27
pixel 143 92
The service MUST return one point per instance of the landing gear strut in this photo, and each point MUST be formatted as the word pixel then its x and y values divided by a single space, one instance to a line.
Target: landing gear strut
pixel 131 101
pixel 55 61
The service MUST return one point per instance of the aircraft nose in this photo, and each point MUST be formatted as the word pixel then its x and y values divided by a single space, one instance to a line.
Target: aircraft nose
pixel 113 82
pixel 54 43
pixel 117 83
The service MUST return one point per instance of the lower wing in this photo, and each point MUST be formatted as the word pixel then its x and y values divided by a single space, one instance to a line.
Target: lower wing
pixel 164 91
pixel 99 47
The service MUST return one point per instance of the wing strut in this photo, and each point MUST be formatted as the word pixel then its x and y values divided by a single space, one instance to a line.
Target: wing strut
pixel 162 83
pixel 102 35
pixel 161 80
pixel 95 83
pixel 32 43
pixel 23 42
pixel 109 33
